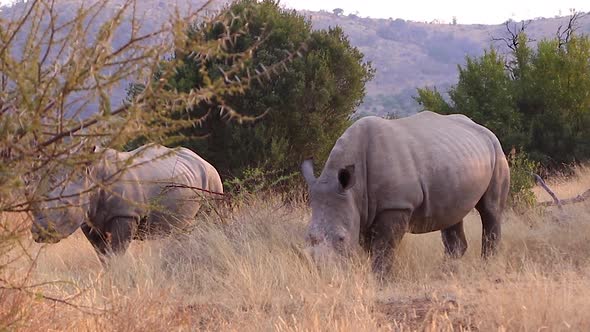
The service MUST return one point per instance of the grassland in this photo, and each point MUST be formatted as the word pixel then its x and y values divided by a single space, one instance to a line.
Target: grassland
pixel 248 273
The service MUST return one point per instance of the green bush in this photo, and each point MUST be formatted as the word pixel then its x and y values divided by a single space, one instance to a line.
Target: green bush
pixel 306 108
pixel 256 180
pixel 521 179
pixel 535 97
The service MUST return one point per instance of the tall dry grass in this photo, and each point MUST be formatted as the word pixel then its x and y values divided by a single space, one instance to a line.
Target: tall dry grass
pixel 249 274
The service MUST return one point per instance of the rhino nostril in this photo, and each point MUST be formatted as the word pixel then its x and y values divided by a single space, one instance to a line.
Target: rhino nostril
pixel 39 237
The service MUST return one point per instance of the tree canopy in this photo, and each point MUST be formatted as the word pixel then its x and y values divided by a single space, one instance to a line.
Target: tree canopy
pixel 299 114
pixel 536 99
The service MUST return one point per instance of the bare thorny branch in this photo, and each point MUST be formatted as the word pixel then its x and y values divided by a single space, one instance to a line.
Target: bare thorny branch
pixel 33 291
pixel 57 73
pixel 565 34
pixel 513 31
pixel 73 69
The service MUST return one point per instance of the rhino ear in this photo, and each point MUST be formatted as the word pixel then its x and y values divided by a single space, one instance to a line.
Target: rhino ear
pixel 307 170
pixel 346 177
pixel 96 148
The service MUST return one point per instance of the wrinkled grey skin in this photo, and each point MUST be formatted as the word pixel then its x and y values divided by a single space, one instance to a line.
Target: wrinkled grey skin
pixel 419 174
pixel 117 202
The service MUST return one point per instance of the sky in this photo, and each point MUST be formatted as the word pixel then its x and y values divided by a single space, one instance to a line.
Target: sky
pixel 466 11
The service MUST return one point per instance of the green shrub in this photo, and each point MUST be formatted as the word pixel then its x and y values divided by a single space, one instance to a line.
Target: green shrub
pixel 305 109
pixel 536 96
pixel 521 179
pixel 256 180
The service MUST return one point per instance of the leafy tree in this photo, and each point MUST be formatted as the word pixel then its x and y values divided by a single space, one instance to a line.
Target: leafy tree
pixel 55 62
pixel 304 111
pixel 535 99
pixel 338 11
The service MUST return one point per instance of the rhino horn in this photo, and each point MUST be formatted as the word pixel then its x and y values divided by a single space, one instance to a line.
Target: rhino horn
pixel 307 170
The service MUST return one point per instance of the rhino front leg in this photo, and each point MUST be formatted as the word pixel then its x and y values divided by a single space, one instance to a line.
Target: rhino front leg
pixel 386 233
pixel 98 241
pixel 454 240
pixel 113 240
pixel 119 235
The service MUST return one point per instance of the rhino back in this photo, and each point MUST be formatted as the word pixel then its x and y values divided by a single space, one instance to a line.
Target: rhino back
pixel 437 167
pixel 155 184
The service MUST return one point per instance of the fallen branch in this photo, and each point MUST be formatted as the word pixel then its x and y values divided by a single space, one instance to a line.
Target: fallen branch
pixel 556 201
pixel 542 183
pixel 40 296
pixel 580 198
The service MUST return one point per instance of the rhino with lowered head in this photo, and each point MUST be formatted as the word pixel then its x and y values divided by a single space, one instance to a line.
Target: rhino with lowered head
pixel 423 173
pixel 141 194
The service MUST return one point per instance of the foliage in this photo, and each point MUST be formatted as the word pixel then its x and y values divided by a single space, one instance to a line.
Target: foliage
pixel 537 99
pixel 257 181
pixel 57 64
pixel 521 179
pixel 432 99
pixel 50 80
pixel 482 93
pixel 301 114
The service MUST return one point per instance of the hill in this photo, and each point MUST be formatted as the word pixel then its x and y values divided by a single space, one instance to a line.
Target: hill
pixel 406 54
pixel 410 54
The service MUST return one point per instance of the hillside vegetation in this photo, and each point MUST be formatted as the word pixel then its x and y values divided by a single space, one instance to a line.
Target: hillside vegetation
pixel 534 98
pixel 250 273
pixel 406 54
pixel 410 55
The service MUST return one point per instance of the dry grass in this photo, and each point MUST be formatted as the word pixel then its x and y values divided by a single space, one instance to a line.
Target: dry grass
pixel 567 187
pixel 249 274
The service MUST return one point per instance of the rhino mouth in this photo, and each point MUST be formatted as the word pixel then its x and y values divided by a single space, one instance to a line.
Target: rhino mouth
pixel 45 239
pixel 45 235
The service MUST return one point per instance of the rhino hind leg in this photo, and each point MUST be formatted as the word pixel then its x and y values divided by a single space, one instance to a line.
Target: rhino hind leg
pixel 491 231
pixel 454 240
pixel 386 233
pixel 491 207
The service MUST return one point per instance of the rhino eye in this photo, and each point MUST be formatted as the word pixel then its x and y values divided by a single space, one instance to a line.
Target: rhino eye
pixel 341 238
